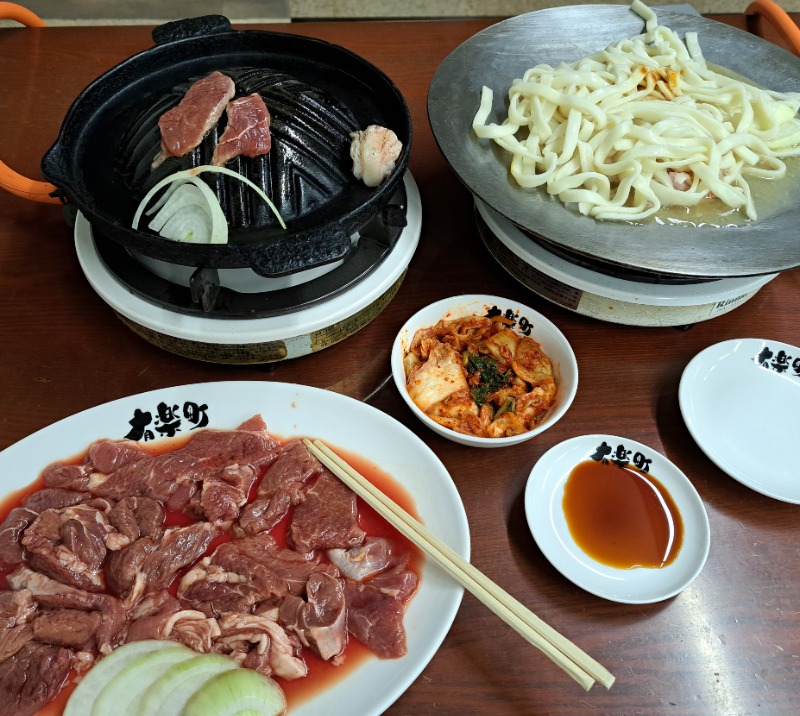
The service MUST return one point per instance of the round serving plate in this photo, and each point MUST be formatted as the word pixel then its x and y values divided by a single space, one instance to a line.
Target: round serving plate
pixel 753 440
pixel 544 509
pixel 503 52
pixel 294 411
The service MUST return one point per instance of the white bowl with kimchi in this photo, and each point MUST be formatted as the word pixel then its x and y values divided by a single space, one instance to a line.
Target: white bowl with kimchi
pixel 484 371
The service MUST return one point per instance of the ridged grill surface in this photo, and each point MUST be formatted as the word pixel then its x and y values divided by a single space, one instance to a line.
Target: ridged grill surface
pixel 307 167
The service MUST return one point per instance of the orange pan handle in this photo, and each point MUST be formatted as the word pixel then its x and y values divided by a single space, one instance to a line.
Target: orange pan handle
pixel 12 11
pixel 9 179
pixel 779 19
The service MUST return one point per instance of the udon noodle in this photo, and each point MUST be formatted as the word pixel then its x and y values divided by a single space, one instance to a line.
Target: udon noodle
pixel 643 124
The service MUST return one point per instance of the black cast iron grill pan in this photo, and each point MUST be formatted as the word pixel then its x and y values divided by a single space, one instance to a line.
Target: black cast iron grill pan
pixel 317 93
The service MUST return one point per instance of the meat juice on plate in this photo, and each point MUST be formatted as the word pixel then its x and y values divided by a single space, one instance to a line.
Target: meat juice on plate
pixel 320 672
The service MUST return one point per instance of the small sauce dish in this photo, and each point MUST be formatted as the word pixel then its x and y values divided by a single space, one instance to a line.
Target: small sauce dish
pixel 664 510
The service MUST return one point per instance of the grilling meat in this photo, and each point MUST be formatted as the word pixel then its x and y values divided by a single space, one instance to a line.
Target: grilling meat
pixel 184 127
pixel 247 132
pixel 131 545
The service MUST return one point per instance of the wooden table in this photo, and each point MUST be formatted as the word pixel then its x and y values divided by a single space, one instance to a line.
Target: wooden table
pixel 727 645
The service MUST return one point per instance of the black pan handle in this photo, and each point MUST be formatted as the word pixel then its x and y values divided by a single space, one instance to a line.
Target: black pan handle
pixel 304 251
pixel 191 27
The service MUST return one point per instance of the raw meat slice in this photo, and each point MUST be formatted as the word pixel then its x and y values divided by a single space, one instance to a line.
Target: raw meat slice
pixel 280 488
pixel 184 127
pixel 327 518
pixel 247 133
pixel 33 677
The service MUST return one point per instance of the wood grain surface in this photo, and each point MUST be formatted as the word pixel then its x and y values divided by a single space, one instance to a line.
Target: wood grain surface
pixel 727 645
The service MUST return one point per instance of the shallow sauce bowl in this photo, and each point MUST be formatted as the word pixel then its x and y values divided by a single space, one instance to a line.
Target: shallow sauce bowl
pixel 526 322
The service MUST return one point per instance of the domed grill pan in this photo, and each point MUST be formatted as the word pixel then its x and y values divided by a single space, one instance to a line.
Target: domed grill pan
pixel 316 92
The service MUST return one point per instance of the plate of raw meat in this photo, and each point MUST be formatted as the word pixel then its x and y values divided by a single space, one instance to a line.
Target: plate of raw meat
pixel 197 514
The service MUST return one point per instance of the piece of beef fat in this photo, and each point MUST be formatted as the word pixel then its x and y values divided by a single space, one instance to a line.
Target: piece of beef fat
pixel 184 126
pixel 247 132
pixel 375 555
pixel 32 677
pixel 327 518
pixel 161 616
pixel 281 651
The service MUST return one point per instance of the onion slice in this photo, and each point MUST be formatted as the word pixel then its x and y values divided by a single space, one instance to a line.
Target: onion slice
pixel 192 214
pixel 189 211
pixel 237 692
pixel 82 700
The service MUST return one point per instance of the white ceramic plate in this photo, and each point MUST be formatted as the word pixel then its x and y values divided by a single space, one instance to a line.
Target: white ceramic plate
pixel 544 494
pixel 293 410
pixel 740 400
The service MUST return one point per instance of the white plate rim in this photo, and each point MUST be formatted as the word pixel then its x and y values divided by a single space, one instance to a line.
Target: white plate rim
pixel 295 410
pixel 692 380
pixel 543 495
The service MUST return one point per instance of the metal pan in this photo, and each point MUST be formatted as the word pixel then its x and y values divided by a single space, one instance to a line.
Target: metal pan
pixel 502 52
pixel 321 92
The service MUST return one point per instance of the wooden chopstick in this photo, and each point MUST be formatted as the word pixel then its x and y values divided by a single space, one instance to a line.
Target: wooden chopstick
pixel 579 665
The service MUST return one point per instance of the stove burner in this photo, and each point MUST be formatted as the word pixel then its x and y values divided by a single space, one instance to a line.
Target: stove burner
pixel 206 297
pixel 627 273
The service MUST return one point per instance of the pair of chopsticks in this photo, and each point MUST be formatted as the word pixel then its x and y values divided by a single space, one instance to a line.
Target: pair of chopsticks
pixel 579 665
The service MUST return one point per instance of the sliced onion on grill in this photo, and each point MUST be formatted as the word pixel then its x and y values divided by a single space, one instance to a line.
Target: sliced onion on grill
pixel 189 211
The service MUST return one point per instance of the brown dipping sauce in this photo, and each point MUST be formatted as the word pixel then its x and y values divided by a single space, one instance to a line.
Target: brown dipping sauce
pixel 620 516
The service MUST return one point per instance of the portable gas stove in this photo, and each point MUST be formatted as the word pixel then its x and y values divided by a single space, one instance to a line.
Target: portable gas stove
pixel 596 289
pixel 239 317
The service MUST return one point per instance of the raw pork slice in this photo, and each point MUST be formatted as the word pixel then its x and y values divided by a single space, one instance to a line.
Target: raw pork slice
pixel 183 127
pixel 247 133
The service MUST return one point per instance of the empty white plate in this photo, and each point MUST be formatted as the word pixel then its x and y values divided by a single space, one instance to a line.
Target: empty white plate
pixel 544 494
pixel 740 400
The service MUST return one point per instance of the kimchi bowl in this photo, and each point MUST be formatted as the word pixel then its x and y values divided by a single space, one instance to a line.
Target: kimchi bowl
pixel 484 371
